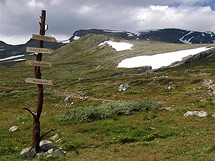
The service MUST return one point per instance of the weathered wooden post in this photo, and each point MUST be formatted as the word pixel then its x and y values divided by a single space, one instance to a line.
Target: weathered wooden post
pixel 37 72
pixel 40 82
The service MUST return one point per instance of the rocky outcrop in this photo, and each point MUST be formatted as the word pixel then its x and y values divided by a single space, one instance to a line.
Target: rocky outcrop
pixel 170 85
pixel 192 59
pixel 47 149
pixel 196 113
pixel 123 87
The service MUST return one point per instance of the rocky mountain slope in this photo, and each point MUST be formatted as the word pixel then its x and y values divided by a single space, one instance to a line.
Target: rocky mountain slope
pixel 166 35
pixel 179 36
pixel 11 53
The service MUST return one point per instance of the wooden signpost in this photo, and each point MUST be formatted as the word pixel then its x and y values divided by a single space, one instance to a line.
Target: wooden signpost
pixel 39 50
pixel 43 38
pixel 37 80
pixel 38 63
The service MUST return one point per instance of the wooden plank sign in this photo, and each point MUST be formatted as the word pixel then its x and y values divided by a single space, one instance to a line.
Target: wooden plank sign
pixel 38 63
pixel 39 81
pixel 39 50
pixel 43 38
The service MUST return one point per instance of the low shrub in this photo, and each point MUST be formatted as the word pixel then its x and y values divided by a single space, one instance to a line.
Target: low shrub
pixel 108 110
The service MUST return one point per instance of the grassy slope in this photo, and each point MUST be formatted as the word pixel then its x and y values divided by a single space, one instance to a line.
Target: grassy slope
pixel 165 135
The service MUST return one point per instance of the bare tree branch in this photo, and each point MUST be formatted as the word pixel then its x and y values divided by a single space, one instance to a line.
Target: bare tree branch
pixel 47 133
pixel 32 113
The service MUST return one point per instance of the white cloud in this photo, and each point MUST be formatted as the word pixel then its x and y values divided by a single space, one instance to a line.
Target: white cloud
pixel 15 40
pixel 35 4
pixel 55 2
pixel 191 2
pixel 191 18
pixel 86 9
pixel 20 18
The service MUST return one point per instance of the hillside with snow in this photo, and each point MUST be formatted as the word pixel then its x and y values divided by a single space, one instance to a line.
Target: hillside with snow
pixel 160 60
pixel 11 53
pixel 166 35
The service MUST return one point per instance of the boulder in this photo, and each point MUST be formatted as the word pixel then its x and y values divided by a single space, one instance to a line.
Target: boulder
pixel 54 138
pixel 46 145
pixel 28 152
pixel 170 85
pixel 59 152
pixel 14 128
pixel 196 113
pixel 68 101
pixel 123 87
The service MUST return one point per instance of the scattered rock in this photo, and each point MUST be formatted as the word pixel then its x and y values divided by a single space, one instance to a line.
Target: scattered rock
pixel 80 79
pixel 81 93
pixel 192 58
pixel 196 113
pixel 169 108
pixel 123 87
pixel 170 85
pixel 99 67
pixel 50 151
pixel 59 152
pixel 54 138
pixel 213 90
pixel 144 69
pixel 83 98
pixel 14 128
pixel 28 153
pixel 210 86
pixel 47 149
pixel 46 145
pixel 68 101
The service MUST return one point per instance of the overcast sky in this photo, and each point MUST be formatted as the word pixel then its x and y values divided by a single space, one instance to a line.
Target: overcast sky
pixel 19 18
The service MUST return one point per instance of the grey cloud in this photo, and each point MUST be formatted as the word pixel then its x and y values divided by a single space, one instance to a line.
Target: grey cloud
pixel 2 2
pixel 18 18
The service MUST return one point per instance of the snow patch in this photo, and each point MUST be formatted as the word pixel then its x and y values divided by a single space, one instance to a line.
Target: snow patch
pixel 113 31
pixel 118 46
pixel 76 38
pixel 66 41
pixel 2 48
pixel 11 57
pixel 209 32
pixel 159 60
pixel 186 41
pixel 130 34
pixel 17 60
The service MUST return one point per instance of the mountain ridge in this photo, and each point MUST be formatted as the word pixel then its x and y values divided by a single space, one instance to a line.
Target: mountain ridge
pixel 178 36
pixel 171 35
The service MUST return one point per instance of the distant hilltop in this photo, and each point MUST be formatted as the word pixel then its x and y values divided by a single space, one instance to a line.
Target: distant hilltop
pixel 166 35
pixel 14 53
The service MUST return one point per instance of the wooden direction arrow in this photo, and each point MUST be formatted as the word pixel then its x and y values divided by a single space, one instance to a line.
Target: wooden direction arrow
pixel 39 81
pixel 38 63
pixel 43 38
pixel 39 50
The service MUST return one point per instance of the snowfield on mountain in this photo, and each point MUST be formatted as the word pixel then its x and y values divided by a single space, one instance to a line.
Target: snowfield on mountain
pixel 159 60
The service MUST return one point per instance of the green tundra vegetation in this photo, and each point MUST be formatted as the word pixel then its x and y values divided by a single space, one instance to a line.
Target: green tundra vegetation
pixel 145 122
